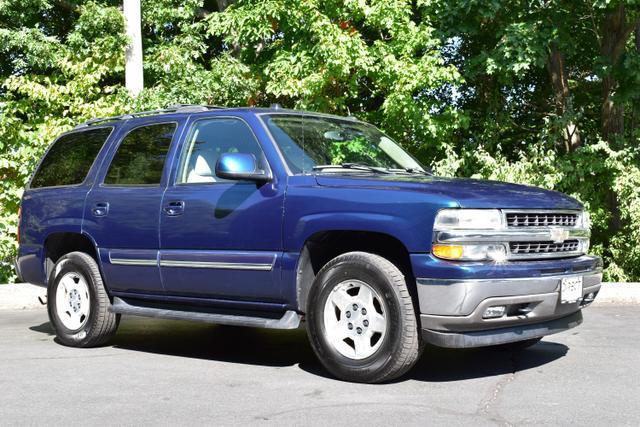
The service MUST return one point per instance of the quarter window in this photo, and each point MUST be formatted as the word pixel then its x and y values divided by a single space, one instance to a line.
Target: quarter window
pixel 69 159
pixel 208 140
pixel 141 156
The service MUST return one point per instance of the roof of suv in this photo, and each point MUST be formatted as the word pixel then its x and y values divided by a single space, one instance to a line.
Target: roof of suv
pixel 195 108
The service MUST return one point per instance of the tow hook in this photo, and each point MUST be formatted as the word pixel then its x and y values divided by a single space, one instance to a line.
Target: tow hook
pixel 43 299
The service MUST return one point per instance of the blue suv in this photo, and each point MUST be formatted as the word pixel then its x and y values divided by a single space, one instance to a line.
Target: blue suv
pixel 267 217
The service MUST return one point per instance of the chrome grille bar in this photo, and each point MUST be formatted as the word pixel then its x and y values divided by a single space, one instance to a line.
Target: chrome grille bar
pixel 541 219
pixel 543 247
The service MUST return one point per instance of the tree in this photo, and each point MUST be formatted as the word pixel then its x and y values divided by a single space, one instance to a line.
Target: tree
pixel 617 26
pixel 378 60
pixel 545 93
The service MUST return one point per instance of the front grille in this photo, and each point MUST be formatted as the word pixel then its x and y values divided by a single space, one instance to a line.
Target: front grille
pixel 534 219
pixel 543 248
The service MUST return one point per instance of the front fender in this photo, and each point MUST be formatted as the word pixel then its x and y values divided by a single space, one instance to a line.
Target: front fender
pixel 405 215
pixel 308 225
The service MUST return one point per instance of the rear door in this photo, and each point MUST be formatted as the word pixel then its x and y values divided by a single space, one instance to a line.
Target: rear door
pixel 219 238
pixel 122 209
pixel 54 201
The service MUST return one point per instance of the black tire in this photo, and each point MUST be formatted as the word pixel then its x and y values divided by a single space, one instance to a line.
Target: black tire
pixel 100 324
pixel 518 345
pixel 401 344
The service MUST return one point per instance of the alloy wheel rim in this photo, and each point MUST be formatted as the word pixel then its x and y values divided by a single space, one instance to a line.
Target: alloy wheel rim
pixel 72 301
pixel 355 319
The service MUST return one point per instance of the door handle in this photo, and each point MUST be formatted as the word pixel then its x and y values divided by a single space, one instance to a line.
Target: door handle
pixel 174 208
pixel 100 209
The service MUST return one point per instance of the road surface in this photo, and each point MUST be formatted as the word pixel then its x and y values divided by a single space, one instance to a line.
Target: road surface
pixel 166 373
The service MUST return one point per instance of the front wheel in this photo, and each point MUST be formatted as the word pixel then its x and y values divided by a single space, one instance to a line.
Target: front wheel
pixel 361 321
pixel 78 303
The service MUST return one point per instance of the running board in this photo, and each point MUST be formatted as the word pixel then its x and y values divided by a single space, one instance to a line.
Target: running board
pixel 289 320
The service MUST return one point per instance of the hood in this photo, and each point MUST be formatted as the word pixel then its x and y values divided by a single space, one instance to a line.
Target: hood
pixel 468 193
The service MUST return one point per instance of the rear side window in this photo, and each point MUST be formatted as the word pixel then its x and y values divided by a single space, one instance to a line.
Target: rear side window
pixel 69 159
pixel 141 156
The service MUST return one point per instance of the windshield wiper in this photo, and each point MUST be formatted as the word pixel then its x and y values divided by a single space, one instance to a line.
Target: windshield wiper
pixel 418 171
pixel 410 171
pixel 354 166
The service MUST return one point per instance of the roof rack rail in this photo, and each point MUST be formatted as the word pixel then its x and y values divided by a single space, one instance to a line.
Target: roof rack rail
pixel 177 108
pixel 199 107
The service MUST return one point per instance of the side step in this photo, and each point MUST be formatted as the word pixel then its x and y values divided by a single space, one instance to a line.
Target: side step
pixel 289 320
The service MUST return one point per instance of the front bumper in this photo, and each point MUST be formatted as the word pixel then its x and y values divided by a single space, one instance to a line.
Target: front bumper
pixel 452 309
pixel 501 335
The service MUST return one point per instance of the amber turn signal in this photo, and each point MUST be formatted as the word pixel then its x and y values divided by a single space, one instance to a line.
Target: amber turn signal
pixel 448 251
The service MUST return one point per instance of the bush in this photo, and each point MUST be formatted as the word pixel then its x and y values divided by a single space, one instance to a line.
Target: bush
pixel 607 182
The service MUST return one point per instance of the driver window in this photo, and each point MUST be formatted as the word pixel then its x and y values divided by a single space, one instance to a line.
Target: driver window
pixel 207 141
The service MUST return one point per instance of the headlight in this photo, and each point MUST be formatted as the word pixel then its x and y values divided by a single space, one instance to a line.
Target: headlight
pixel 497 253
pixel 468 219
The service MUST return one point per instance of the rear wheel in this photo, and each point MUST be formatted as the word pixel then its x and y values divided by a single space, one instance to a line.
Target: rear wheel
pixel 78 303
pixel 361 321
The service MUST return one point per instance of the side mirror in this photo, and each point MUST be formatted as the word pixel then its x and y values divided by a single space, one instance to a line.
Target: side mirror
pixel 240 166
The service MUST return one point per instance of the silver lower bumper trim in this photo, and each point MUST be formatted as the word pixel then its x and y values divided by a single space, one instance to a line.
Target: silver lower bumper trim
pixel 502 335
pixel 452 311
pixel 460 297
pixel 522 310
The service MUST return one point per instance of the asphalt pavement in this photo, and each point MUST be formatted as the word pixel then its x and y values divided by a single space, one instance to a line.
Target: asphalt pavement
pixel 179 373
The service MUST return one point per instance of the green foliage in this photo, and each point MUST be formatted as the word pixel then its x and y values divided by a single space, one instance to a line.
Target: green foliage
pixel 464 85
pixel 588 175
pixel 354 150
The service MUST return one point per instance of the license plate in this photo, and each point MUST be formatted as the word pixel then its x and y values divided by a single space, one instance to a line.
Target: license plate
pixel 570 289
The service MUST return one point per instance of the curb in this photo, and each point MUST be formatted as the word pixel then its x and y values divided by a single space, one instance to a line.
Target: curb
pixel 618 294
pixel 23 296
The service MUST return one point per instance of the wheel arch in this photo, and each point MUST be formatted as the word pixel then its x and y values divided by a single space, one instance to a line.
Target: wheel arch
pixel 59 243
pixel 323 246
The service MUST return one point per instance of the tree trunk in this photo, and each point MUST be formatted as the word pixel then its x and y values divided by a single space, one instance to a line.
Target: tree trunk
pixel 223 4
pixel 615 33
pixel 560 84
pixel 133 74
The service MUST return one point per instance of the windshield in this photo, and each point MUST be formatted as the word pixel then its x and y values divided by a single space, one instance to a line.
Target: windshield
pixel 310 142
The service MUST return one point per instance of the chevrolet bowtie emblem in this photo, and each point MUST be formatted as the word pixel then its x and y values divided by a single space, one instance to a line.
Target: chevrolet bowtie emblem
pixel 559 235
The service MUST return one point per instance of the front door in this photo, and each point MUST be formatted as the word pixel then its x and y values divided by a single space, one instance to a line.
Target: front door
pixel 122 209
pixel 220 239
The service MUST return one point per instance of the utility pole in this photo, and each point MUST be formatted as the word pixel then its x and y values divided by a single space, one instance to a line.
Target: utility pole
pixel 134 80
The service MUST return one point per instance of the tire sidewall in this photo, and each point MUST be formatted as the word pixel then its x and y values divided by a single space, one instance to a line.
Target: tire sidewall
pixel 72 263
pixel 373 276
